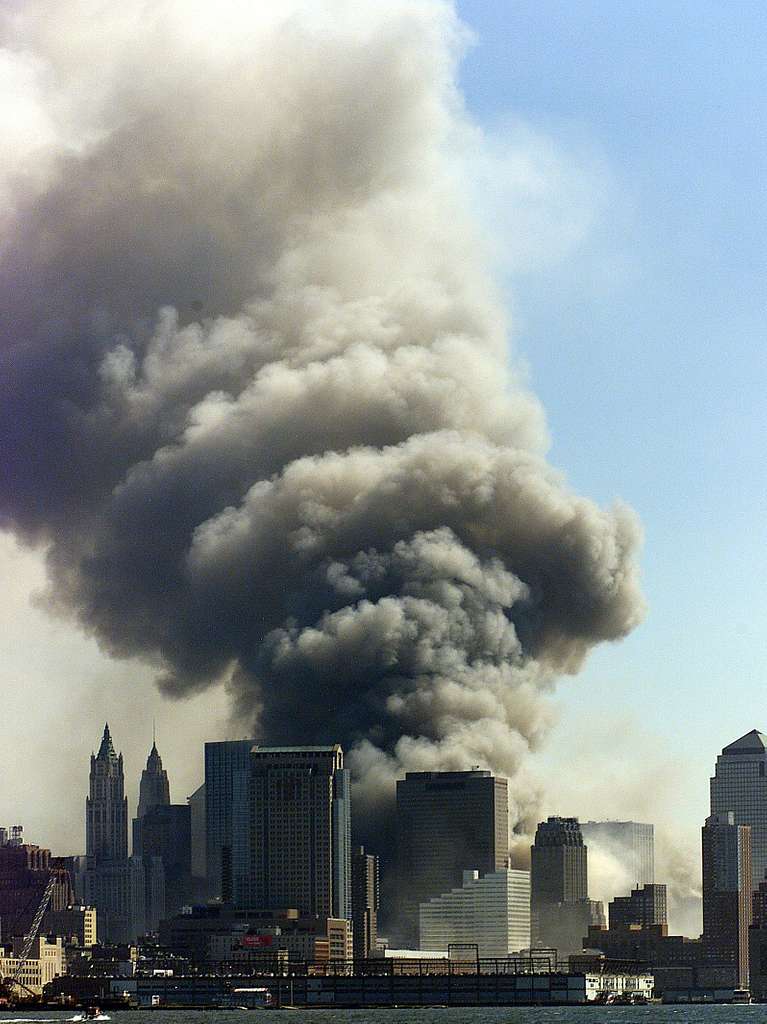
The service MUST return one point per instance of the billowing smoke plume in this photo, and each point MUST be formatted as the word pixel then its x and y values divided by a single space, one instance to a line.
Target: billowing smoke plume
pixel 255 394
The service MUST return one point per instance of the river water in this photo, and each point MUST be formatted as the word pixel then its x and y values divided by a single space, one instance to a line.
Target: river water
pixel 652 1014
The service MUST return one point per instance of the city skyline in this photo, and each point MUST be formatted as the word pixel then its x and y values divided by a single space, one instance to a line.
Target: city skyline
pixel 599 238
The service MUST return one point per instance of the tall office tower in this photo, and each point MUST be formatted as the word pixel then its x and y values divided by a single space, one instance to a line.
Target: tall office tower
pixel 227 820
pixel 197 835
pixel 740 785
pixel 166 834
pixel 561 909
pixel 154 788
pixel 365 898
pixel 447 823
pixel 107 879
pixel 630 843
pixel 645 906
pixel 727 892
pixel 154 791
pixel 106 807
pixel 300 817
pixel 492 912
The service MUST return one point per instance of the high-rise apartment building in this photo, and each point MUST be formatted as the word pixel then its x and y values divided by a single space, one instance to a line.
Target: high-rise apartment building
pixel 491 912
pixel 630 843
pixel 365 902
pixel 106 806
pixel 646 906
pixel 447 823
pixel 300 828
pixel 561 910
pixel 740 785
pixel 727 892
pixel 227 820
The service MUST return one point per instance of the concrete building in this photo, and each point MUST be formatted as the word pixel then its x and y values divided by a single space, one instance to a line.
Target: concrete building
pixel 490 911
pixel 224 933
pixel 24 874
pixel 647 905
pixel 106 806
pixel 365 902
pixel 46 962
pixel 561 910
pixel 739 785
pixel 651 945
pixel 106 878
pixel 154 788
pixel 727 892
pixel 76 925
pixel 447 823
pixel 300 822
pixel 197 833
pixel 227 820
pixel 630 843
pixel 165 834
pixel 12 835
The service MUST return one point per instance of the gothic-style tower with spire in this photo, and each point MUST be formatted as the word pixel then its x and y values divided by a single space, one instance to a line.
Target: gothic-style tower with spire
pixel 154 789
pixel 106 807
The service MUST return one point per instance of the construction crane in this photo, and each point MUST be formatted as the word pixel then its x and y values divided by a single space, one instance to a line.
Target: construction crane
pixel 12 981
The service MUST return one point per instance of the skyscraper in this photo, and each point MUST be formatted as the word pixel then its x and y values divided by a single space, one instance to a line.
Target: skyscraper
pixel 227 820
pixel 727 892
pixel 561 909
pixel 106 878
pixel 154 788
pixel 300 828
pixel 165 834
pixel 365 897
pixel 106 807
pixel 740 785
pixel 447 823
pixel 630 843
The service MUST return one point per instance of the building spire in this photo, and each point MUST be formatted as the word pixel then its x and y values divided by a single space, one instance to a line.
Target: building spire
pixel 106 750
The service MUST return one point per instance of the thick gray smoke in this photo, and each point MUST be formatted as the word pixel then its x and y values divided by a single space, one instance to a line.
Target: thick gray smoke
pixel 256 398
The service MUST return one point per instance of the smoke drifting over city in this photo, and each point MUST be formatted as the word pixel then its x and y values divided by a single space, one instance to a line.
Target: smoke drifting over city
pixel 255 388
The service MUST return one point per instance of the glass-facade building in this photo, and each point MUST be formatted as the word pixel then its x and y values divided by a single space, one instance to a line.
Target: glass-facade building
pixel 447 823
pixel 740 785
pixel 227 820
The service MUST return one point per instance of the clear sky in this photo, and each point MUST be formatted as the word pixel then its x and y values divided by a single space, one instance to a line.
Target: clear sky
pixel 622 180
pixel 645 338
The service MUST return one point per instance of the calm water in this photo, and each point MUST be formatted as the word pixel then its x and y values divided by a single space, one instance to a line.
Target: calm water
pixel 653 1014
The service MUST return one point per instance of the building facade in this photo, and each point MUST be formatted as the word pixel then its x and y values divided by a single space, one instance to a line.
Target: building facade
pixel 165 834
pixel 300 830
pixel 647 905
pixel 365 902
pixel 727 901
pixel 24 874
pixel 491 911
pixel 106 806
pixel 630 843
pixel 561 910
pixel 739 785
pixel 227 820
pixel 447 823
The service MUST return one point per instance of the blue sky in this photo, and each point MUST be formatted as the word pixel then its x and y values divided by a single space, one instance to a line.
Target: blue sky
pixel 645 339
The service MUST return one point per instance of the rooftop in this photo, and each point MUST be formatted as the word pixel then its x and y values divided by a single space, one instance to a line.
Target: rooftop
pixel 753 742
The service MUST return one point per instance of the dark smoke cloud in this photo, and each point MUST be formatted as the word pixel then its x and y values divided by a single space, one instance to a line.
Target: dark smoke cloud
pixel 255 394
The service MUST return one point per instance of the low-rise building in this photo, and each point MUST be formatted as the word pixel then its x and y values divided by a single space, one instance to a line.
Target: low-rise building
pixel 45 962
pixel 76 925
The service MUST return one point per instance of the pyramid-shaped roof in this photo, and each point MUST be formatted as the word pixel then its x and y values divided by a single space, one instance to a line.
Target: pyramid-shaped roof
pixel 106 750
pixel 753 742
